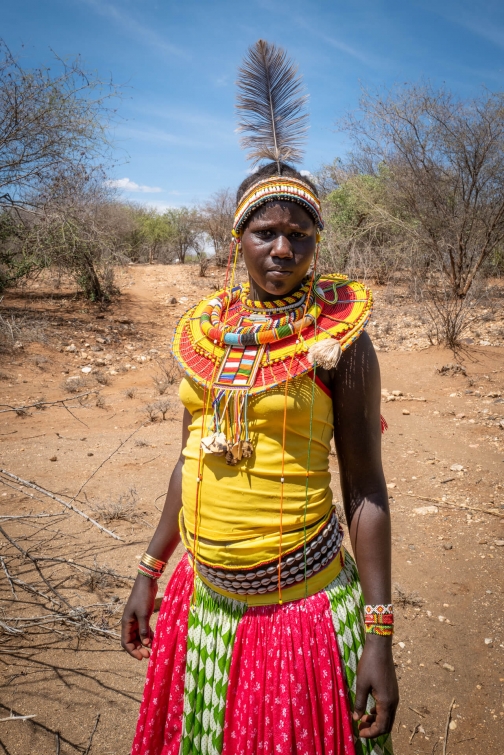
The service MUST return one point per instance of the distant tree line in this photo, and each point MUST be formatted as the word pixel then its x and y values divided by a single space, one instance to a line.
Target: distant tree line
pixel 420 199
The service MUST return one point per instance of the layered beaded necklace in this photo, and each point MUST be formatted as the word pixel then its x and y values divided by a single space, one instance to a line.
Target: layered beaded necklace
pixel 296 312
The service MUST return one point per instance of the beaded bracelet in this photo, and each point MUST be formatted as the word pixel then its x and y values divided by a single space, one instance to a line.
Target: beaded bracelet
pixel 379 619
pixel 151 567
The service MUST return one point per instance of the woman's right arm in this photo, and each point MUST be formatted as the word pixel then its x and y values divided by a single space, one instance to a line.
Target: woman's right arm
pixel 136 634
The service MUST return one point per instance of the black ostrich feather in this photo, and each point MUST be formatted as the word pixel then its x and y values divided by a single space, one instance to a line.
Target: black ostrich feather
pixel 271 105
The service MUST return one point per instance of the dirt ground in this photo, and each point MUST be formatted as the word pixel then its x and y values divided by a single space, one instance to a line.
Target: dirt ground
pixel 444 460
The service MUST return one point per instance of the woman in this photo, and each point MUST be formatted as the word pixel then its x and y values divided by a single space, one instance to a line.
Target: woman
pixel 259 645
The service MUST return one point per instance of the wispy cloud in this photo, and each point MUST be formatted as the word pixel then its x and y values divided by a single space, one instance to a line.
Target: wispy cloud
pixel 136 28
pixel 354 52
pixel 489 31
pixel 126 185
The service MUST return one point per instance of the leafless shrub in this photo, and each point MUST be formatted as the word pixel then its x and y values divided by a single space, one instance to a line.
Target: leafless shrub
pixel 102 378
pixel 40 361
pixel 151 410
pixel 99 579
pixel 130 392
pixel 140 443
pixel 452 369
pixel 204 263
pixel 100 402
pixel 40 404
pixel 75 384
pixel 167 373
pixel 123 508
pixel 404 598
pixel 163 407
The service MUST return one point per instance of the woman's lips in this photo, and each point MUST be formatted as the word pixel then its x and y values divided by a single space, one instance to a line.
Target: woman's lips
pixel 280 273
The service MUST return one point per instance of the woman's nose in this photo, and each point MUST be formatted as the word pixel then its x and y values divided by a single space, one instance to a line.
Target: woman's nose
pixel 281 247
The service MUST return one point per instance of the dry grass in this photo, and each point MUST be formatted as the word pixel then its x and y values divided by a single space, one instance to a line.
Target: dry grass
pixel 123 508
pixel 404 598
pixel 163 407
pixel 167 373
pixel 75 384
pixel 102 378
pixel 130 392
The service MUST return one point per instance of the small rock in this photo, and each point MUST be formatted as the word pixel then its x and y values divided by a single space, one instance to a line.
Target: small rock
pixel 405 411
pixel 391 485
pixel 18 345
pixel 402 645
pixel 390 398
pixel 456 468
pixel 447 546
pixel 442 618
pixel 494 394
pixel 453 725
pixel 53 458
pixel 425 510
pixel 448 667
pixel 460 416
pixel 86 370
pixel 397 393
pixel 173 300
pixel 500 543
pixel 71 348
pixel 484 542
pixel 90 453
pixel 488 640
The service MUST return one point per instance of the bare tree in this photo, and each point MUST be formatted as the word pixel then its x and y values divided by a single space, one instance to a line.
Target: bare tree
pixel 445 159
pixel 50 123
pixel 217 217
pixel 185 231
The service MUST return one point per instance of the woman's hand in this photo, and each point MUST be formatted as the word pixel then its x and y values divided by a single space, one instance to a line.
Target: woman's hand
pixel 376 675
pixel 136 634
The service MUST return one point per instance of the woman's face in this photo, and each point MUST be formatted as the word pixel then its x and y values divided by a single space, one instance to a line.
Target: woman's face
pixel 278 245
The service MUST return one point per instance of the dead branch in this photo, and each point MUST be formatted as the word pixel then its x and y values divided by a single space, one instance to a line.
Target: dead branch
pixel 92 734
pixel 121 444
pixel 38 404
pixel 60 500
pixel 447 729
pixel 457 505
pixel 9 580
pixel 18 718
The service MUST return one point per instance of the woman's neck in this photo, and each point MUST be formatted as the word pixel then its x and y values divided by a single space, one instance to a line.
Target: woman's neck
pixel 259 294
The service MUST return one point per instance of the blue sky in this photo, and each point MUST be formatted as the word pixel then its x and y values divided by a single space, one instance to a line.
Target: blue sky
pixel 175 142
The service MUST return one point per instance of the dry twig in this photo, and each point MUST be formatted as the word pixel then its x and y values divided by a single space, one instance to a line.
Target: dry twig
pixel 92 734
pixel 440 502
pixel 60 500
pixel 447 729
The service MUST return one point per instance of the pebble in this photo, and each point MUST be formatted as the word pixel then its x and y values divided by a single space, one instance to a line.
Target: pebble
pixel 397 393
pixel 457 468
pixel 500 543
pixel 86 370
pixel 53 458
pixel 488 640
pixel 402 645
pixel 442 618
pixel 453 725
pixel 406 411
pixel 448 667
pixel 447 546
pixel 424 510
pixel 391 485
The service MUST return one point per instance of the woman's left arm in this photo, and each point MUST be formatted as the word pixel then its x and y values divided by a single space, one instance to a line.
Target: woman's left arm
pixel 356 391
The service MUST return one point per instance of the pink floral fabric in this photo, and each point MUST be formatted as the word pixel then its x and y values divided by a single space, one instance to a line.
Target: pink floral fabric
pixel 286 690
pixel 159 725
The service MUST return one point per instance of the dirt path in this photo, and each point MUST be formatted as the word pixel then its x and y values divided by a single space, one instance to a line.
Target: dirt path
pixel 444 462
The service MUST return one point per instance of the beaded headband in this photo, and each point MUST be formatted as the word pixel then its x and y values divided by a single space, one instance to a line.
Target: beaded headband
pixel 277 188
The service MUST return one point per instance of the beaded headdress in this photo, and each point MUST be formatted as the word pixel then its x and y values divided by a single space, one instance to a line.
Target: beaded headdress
pixel 277 188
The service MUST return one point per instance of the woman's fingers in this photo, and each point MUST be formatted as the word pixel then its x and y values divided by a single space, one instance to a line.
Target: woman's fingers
pixel 131 638
pixel 378 722
pixel 361 696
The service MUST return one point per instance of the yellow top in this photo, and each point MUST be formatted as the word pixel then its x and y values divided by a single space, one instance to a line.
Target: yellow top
pixel 239 510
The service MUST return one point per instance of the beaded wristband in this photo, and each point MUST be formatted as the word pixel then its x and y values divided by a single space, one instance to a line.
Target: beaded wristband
pixel 379 619
pixel 151 567
pixel 384 630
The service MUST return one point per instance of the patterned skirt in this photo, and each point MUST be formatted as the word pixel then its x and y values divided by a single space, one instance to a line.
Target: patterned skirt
pixel 228 679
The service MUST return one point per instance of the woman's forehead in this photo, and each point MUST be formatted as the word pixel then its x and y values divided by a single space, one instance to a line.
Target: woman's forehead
pixel 282 211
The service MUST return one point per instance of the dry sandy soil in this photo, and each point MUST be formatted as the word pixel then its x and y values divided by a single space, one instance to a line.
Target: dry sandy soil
pixel 444 461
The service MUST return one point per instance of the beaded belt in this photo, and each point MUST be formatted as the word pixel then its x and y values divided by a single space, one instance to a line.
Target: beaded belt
pixel 319 552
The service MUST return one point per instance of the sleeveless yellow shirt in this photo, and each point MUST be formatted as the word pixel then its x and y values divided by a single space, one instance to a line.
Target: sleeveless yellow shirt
pixel 239 509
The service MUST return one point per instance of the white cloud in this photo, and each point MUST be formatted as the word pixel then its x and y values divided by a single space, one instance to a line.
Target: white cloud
pixel 305 173
pixel 136 29
pixel 126 185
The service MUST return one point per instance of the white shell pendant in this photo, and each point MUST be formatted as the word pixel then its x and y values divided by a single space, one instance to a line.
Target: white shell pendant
pixel 215 443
